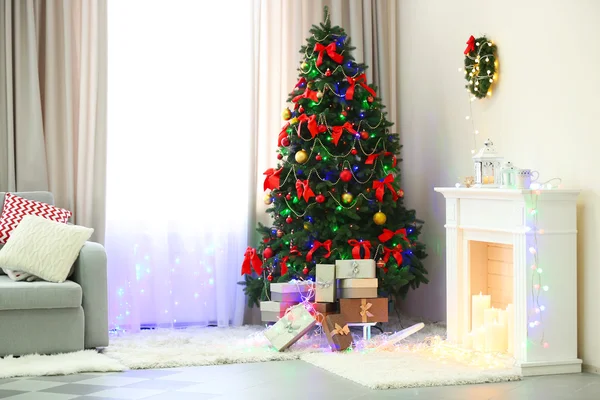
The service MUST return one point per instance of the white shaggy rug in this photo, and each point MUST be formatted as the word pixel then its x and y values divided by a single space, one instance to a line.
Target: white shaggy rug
pixel 58 364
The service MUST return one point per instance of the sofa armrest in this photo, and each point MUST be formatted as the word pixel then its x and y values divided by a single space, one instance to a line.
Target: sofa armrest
pixel 90 272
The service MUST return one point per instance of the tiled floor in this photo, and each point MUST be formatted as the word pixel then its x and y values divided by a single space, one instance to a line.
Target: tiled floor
pixel 286 380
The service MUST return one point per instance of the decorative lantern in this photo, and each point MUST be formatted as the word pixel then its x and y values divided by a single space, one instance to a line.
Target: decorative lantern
pixel 488 166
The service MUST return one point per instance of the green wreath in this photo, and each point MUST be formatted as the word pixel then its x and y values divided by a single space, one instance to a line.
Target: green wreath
pixel 481 64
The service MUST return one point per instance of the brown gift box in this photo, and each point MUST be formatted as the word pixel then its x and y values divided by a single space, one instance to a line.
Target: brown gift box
pixel 364 310
pixel 324 309
pixel 337 332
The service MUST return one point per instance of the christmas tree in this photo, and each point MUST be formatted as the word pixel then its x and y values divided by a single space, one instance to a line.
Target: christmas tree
pixel 335 192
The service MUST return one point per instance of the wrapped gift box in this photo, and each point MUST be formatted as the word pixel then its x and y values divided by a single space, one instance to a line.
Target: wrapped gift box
pixel 325 286
pixel 357 288
pixel 364 310
pixel 348 269
pixel 337 332
pixel 291 327
pixel 293 291
pixel 324 309
pixel 271 311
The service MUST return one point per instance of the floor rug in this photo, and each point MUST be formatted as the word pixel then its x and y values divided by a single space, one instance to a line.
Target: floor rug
pixel 58 364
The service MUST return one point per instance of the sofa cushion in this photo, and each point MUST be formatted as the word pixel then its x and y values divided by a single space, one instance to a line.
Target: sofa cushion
pixel 36 295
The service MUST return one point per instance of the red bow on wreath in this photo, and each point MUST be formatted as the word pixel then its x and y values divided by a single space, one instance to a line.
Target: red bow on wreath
pixel 251 259
pixel 470 45
pixel 388 234
pixel 357 246
pixel 362 81
pixel 312 124
pixel 330 49
pixel 272 179
pixel 304 191
pixel 381 185
pixel 308 94
pixel 282 134
pixel 371 159
pixel 395 252
pixel 336 131
pixel 317 245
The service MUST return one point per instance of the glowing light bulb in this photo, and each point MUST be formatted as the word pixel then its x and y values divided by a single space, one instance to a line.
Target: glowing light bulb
pixel 532 324
pixel 489 72
pixel 487 59
pixel 460 70
pixel 532 250
pixel 457 185
pixel 527 229
pixel 477 132
pixel 533 211
pixel 546 288
pixel 473 98
pixel 539 270
pixel 489 93
pixel 473 151
pixel 536 286
pixel 541 231
pixel 534 267
pixel 490 44
pixel 537 310
pixel 546 345
pixel 542 308
pixel 467 117
pixel 537 323
pixel 491 80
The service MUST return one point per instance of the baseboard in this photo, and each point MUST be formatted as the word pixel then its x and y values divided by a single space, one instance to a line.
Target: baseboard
pixel 551 368
pixel 592 369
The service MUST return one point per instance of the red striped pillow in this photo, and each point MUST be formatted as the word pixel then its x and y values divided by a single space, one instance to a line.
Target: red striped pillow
pixel 15 208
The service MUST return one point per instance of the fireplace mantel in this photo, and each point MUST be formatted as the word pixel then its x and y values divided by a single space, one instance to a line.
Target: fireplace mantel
pixel 504 217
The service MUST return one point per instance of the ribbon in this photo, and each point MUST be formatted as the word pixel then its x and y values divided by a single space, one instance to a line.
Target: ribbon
pixel 395 252
pixel 324 284
pixel 364 310
pixel 330 49
pixel 304 191
pixel 308 94
pixel 338 330
pixel 272 179
pixel 388 234
pixel 371 159
pixel 316 245
pixel 362 81
pixel 288 325
pixel 357 246
pixel 301 81
pixel 251 260
pixel 380 186
pixel 470 45
pixel 336 131
pixel 282 134
pixel 312 124
pixel 284 267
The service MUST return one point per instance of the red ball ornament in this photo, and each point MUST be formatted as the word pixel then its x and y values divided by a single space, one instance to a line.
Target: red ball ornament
pixel 266 240
pixel 328 72
pixel 344 113
pixel 400 193
pixel 364 135
pixel 268 252
pixel 279 233
pixel 322 128
pixel 285 142
pixel 380 263
pixel 353 152
pixel 346 175
pixel 370 99
pixel 305 271
pixel 269 277
pixel 288 196
pixel 279 156
pixel 301 109
pixel 320 198
pixel 318 157
pixel 289 220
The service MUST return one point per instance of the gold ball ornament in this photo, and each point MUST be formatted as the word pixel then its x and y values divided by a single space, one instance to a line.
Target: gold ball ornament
pixel 301 157
pixel 379 218
pixel 307 226
pixel 286 114
pixel 304 66
pixel 268 199
pixel 319 94
pixel 347 198
pixel 293 121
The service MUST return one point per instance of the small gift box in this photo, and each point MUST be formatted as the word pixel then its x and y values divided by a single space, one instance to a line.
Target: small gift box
pixel 325 286
pixel 337 332
pixel 347 269
pixel 364 310
pixel 271 311
pixel 293 291
pixel 321 310
pixel 358 288
pixel 291 327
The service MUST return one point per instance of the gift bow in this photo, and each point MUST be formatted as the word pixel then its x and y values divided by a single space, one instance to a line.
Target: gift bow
pixel 371 159
pixel 395 252
pixel 364 310
pixel 289 327
pixel 362 81
pixel 336 131
pixel 282 134
pixel 388 234
pixel 307 94
pixel 251 260
pixel 312 124
pixel 324 284
pixel 330 49
pixel 272 179
pixel 303 189
pixel 470 45
pixel 317 245
pixel 381 185
pixel 356 247
pixel 338 330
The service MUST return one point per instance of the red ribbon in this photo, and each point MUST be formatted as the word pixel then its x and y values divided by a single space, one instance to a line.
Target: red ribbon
pixel 371 159
pixel 470 45
pixel 317 245
pixel 336 131
pixel 282 134
pixel 304 190
pixel 388 234
pixel 357 246
pixel 300 82
pixel 395 252
pixel 312 124
pixel 284 267
pixel 272 179
pixel 308 94
pixel 330 49
pixel 251 259
pixel 381 185
pixel 362 81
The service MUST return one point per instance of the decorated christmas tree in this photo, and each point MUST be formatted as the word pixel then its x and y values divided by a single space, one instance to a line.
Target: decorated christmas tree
pixel 335 192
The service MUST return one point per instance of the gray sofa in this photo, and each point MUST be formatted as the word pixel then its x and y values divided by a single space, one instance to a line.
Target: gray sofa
pixel 46 318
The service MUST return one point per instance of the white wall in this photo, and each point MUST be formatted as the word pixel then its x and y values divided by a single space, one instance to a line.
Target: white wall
pixel 544 114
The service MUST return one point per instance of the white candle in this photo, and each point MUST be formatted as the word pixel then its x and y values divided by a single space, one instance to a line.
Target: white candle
pixel 510 326
pixel 489 316
pixel 468 341
pixel 479 339
pixel 495 337
pixel 480 302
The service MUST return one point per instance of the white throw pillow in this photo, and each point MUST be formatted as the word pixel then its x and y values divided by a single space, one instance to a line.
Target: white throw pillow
pixel 44 248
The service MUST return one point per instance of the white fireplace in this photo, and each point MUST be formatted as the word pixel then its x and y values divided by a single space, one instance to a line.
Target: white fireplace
pixel 520 248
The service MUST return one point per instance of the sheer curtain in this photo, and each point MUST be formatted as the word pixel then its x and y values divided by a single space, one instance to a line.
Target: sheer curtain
pixel 179 161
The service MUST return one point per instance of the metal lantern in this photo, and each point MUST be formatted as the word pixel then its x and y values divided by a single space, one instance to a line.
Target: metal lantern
pixel 488 166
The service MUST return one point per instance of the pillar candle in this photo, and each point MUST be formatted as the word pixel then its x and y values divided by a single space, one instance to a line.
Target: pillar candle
pixel 510 327
pixel 468 341
pixel 480 302
pixel 495 338
pixel 479 339
pixel 489 316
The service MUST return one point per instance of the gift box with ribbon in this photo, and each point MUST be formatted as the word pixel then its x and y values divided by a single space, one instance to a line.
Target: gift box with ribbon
pixel 325 285
pixel 348 269
pixel 357 288
pixel 321 310
pixel 338 334
pixel 364 310
pixel 291 327
pixel 271 311
pixel 293 291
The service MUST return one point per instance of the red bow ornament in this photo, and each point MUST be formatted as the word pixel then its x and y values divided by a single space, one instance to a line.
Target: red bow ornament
pixel 317 245
pixel 272 179
pixel 395 252
pixel 304 190
pixel 381 185
pixel 251 261
pixel 308 94
pixel 330 49
pixel 371 159
pixel 357 246
pixel 284 267
pixel 312 124
pixel 336 131
pixel 470 45
pixel 388 234
pixel 282 134
pixel 362 81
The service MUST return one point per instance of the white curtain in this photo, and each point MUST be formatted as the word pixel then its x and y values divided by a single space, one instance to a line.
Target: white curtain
pixel 180 165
